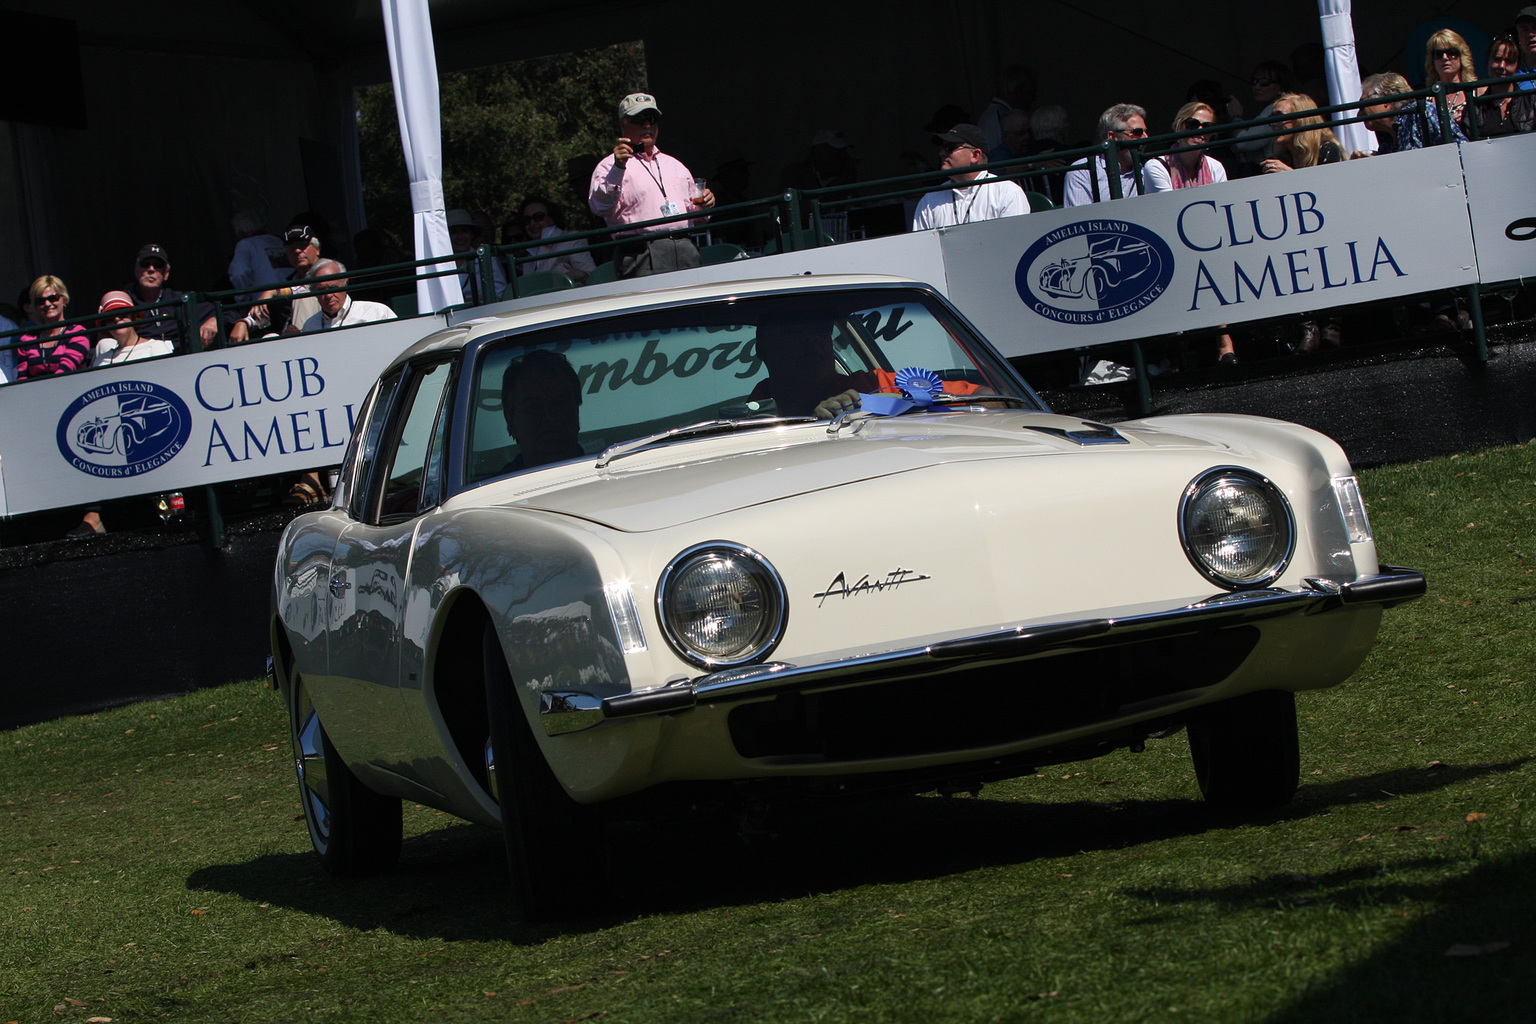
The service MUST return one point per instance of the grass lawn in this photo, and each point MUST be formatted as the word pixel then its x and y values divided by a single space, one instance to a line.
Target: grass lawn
pixel 156 866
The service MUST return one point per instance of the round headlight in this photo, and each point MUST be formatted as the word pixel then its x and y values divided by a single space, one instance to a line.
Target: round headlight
pixel 721 604
pixel 1237 528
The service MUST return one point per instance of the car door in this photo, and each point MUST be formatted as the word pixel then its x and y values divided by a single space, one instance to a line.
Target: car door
pixel 371 561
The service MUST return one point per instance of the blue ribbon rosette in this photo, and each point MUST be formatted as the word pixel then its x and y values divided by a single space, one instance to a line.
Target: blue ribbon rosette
pixel 917 388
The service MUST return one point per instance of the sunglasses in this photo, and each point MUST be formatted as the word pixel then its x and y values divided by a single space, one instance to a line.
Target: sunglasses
pixel 50 299
pixel 644 117
pixel 152 264
pixel 1263 81
pixel 1191 124
pixel 1446 54
pixel 1134 133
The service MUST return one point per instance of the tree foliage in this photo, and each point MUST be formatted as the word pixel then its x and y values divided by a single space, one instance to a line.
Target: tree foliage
pixel 509 131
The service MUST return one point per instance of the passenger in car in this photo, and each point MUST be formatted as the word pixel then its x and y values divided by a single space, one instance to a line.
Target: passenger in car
pixel 541 401
pixel 803 379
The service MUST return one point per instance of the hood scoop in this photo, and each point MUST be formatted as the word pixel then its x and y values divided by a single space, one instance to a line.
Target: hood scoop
pixel 1092 433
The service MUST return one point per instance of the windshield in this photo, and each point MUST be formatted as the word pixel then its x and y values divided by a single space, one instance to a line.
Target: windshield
pixel 571 391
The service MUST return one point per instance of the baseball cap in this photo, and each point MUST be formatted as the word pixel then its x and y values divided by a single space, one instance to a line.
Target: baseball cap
pixel 637 102
pixel 116 300
pixel 460 219
pixel 1527 12
pixel 963 135
pixel 153 251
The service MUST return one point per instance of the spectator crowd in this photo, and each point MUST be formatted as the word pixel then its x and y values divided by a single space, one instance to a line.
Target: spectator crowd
pixel 281 283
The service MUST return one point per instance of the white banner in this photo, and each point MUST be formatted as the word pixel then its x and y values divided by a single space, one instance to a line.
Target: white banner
pixel 177 423
pixel 1503 206
pixel 1274 245
pixel 1260 247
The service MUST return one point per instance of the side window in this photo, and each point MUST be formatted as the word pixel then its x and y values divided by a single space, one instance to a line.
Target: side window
pixel 414 478
pixel 363 451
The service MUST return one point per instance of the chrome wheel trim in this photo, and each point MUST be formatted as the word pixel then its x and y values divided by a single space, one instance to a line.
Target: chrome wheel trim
pixel 309 764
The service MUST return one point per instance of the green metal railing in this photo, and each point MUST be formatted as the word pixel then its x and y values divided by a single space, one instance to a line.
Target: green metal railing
pixel 797 219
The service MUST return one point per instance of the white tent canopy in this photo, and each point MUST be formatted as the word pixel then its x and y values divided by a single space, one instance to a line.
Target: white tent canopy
pixel 413 67
pixel 1343 68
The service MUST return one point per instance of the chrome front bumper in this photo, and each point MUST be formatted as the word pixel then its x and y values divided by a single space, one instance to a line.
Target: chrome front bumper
pixel 567 711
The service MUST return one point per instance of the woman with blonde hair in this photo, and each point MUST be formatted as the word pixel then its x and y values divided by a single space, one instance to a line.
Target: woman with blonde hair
pixel 1193 166
pixel 1307 142
pixel 1188 169
pixel 1447 61
pixel 53 348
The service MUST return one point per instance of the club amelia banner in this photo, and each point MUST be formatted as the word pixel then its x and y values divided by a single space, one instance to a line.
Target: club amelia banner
pixel 1276 244
pixel 1270 246
pixel 171 424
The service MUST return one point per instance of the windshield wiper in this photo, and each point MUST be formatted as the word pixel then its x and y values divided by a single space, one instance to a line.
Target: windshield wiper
pixel 977 398
pixel 623 448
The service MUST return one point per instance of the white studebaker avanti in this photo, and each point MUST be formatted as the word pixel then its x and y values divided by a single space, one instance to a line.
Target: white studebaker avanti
pixel 754 540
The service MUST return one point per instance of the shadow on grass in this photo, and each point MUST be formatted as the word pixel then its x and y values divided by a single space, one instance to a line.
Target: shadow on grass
pixel 1484 922
pixel 1460 963
pixel 451 883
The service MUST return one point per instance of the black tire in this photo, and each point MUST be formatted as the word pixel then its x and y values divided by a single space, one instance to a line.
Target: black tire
pixel 1246 752
pixel 355 831
pixel 554 845
pixel 1094 283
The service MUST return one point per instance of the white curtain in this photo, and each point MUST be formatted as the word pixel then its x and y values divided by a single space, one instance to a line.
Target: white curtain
pixel 1343 67
pixel 413 66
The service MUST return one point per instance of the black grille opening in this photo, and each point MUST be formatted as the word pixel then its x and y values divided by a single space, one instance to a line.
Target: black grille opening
pixel 982 707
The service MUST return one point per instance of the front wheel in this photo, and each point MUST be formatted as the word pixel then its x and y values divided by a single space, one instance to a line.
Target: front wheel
pixel 554 845
pixel 1246 752
pixel 355 831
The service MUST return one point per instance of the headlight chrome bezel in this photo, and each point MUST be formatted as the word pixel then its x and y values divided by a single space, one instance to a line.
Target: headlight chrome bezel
pixel 771 591
pixel 1274 565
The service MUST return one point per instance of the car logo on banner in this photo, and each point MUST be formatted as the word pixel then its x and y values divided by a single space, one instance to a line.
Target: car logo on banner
pixel 1094 271
pixel 124 428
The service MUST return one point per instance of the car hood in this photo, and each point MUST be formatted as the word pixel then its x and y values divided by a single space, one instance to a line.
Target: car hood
pixel 696 479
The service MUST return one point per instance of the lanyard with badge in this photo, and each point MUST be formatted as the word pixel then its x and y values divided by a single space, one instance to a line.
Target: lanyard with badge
pixel 954 203
pixel 669 207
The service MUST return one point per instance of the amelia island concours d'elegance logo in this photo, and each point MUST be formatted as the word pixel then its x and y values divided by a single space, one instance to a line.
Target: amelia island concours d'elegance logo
pixel 1094 271
pixel 123 429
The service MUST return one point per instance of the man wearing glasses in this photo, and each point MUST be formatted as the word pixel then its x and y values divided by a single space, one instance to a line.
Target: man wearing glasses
pixel 151 271
pixel 1088 182
pixel 637 182
pixel 302 247
pixel 975 195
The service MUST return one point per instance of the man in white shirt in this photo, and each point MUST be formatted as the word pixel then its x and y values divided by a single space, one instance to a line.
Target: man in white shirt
pixel 337 308
pixel 976 195
pixel 1089 182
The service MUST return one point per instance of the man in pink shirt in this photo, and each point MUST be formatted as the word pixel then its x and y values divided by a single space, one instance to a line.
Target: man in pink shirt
pixel 639 182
